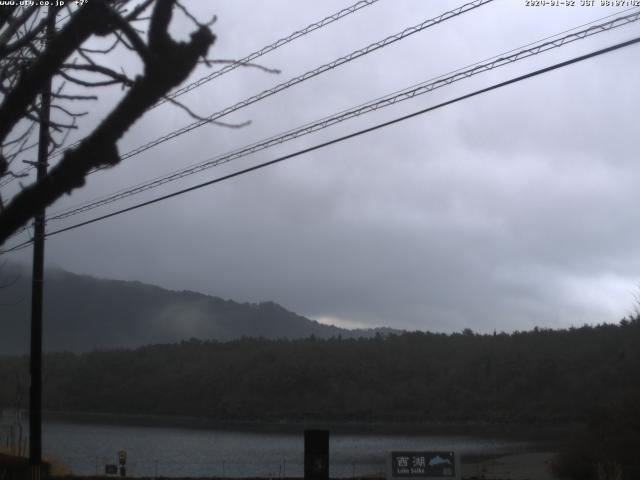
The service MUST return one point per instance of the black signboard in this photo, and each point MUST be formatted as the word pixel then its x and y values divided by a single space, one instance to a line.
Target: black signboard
pixel 316 454
pixel 110 469
pixel 423 464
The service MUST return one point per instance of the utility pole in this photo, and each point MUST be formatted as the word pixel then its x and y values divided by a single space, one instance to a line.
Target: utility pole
pixel 35 388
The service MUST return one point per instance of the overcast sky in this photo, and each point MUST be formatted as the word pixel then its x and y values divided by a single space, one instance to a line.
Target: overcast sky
pixel 510 210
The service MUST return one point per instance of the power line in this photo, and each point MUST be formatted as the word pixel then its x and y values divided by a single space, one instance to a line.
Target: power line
pixel 496 61
pixel 232 66
pixel 304 77
pixel 269 48
pixel 258 53
pixel 299 79
pixel 374 105
pixel 341 139
pixel 308 75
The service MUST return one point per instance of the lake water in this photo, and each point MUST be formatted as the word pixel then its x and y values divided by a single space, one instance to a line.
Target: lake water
pixel 167 452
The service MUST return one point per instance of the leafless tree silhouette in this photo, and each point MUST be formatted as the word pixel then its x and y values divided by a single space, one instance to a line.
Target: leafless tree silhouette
pixel 32 54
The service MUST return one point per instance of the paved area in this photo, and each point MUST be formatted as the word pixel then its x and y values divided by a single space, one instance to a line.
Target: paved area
pixel 527 466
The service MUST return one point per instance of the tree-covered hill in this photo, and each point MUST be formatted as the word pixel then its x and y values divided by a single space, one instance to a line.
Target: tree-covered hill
pixel 542 375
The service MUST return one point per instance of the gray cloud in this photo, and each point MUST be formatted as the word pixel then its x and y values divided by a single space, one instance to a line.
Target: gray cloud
pixel 503 212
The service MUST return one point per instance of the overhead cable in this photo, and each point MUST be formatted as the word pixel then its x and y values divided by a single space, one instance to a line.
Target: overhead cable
pixel 304 77
pixel 371 106
pixel 269 48
pixel 308 75
pixel 301 78
pixel 232 66
pixel 340 139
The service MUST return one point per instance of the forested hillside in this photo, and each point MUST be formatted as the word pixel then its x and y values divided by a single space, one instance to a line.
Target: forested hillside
pixel 542 375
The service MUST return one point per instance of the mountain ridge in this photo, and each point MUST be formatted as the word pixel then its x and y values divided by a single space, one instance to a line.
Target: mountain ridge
pixel 84 312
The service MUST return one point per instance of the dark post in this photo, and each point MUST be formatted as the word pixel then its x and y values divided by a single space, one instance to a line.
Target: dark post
pixel 316 454
pixel 35 388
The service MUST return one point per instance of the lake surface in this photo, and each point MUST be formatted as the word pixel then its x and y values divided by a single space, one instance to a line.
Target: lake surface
pixel 169 452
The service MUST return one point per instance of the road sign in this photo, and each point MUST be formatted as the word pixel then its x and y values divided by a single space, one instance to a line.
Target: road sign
pixel 110 469
pixel 423 465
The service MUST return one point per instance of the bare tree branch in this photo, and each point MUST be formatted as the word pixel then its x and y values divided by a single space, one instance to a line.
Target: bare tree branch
pixel 29 36
pixel 82 24
pixel 74 97
pixel 188 14
pixel 138 10
pixel 209 62
pixel 87 83
pixel 15 23
pixel 117 77
pixel 200 118
pixel 167 63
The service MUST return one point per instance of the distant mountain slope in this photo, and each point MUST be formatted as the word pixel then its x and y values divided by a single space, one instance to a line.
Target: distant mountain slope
pixel 83 313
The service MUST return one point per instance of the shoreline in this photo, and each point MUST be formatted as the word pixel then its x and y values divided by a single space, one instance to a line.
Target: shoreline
pixel 521 466
pixel 509 430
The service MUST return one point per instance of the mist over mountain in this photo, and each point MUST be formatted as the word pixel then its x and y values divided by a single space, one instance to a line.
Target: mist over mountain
pixel 84 313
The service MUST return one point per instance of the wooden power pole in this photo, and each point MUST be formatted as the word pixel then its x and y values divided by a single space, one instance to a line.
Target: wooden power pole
pixel 35 387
